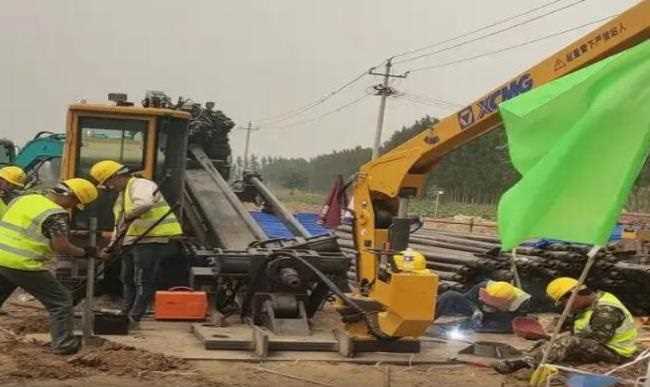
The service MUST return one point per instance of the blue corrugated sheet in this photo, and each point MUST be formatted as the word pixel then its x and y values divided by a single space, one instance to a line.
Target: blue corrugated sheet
pixel 310 221
pixel 274 228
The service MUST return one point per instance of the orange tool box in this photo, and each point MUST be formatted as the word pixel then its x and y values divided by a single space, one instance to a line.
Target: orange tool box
pixel 180 303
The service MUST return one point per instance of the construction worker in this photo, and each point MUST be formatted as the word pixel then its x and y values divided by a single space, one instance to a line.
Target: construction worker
pixel 602 330
pixel 12 179
pixel 492 306
pixel 139 206
pixel 33 228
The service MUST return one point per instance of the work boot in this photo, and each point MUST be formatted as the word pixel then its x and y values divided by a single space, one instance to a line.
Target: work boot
pixel 509 366
pixel 134 325
pixel 70 349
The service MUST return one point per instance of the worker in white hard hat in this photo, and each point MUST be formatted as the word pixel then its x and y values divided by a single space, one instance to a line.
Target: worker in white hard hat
pixel 12 181
pixel 32 230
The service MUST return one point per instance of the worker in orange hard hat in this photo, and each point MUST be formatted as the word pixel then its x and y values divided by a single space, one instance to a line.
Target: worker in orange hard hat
pixel 33 229
pixel 492 305
pixel 602 329
pixel 12 180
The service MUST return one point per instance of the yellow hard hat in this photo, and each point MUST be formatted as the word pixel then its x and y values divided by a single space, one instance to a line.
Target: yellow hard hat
pixel 106 169
pixel 560 287
pixel 85 191
pixel 500 289
pixel 13 175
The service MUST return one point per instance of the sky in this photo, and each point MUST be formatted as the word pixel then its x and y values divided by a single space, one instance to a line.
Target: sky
pixel 262 60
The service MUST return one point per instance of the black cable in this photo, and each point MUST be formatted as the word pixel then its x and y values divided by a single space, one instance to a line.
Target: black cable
pixel 496 23
pixel 526 43
pixel 318 118
pixel 298 111
pixel 491 33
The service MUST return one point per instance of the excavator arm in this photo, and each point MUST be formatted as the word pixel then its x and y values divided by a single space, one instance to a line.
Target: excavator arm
pixel 384 185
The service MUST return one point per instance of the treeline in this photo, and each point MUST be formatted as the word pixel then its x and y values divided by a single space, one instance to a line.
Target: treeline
pixel 478 172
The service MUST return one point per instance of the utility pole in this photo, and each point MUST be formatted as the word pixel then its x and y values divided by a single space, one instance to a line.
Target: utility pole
pixel 248 130
pixel 384 91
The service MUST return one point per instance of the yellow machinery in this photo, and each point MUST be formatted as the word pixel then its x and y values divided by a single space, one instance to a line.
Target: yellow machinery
pixel 384 186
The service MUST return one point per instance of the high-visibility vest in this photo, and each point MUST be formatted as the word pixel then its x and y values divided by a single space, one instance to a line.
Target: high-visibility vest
pixel 169 227
pixel 623 341
pixel 3 208
pixel 22 243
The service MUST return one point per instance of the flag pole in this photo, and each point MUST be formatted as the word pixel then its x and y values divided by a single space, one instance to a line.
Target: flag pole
pixel 591 258
pixel 513 268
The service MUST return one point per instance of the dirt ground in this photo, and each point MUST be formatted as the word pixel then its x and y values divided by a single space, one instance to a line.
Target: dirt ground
pixel 25 362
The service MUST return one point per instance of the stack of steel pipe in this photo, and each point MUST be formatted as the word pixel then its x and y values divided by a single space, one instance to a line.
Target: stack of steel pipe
pixel 461 260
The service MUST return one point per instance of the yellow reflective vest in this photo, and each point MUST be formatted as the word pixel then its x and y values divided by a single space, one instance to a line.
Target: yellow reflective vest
pixel 22 243
pixel 623 341
pixel 169 227
pixel 3 208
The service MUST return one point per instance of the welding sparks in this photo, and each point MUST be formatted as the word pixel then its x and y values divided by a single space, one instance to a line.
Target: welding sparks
pixel 455 334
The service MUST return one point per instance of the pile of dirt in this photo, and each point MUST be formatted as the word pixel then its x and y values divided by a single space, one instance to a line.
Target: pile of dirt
pixel 25 360
pixel 27 323
pixel 122 360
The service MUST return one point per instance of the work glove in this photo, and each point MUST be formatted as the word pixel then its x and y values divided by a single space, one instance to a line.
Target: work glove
pixel 541 375
pixel 477 319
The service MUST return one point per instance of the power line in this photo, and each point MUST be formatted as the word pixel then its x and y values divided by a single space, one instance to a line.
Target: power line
pixel 305 108
pixel 538 17
pixel 320 117
pixel 294 112
pixel 494 24
pixel 526 43
pixel 430 100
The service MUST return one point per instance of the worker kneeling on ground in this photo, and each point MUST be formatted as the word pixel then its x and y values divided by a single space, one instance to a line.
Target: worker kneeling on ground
pixel 33 228
pixel 12 180
pixel 139 206
pixel 602 330
pixel 492 305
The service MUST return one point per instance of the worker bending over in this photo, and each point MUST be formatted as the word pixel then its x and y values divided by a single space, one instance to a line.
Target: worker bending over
pixel 12 179
pixel 492 305
pixel 33 228
pixel 138 207
pixel 602 330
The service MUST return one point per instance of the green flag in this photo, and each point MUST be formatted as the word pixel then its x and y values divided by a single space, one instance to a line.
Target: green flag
pixel 579 143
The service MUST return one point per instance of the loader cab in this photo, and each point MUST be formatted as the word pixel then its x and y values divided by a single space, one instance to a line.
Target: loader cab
pixel 7 152
pixel 152 142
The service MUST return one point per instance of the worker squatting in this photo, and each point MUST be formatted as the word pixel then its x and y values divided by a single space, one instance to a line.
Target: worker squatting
pixel 600 329
pixel 34 226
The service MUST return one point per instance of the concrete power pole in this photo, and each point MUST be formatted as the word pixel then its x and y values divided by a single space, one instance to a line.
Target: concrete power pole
pixel 248 130
pixel 384 91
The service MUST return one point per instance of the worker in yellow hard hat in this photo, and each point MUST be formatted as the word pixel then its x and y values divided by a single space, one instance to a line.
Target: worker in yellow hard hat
pixel 602 329
pixel 141 214
pixel 33 229
pixel 12 180
pixel 492 305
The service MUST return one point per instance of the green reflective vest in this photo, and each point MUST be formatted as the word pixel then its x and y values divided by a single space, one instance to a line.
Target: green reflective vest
pixel 22 243
pixel 169 227
pixel 623 341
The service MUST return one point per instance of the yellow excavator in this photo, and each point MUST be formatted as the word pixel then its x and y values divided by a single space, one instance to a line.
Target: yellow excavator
pixel 403 291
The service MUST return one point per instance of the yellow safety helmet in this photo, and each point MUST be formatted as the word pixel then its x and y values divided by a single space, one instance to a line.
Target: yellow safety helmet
pixel 560 287
pixel 83 190
pixel 13 175
pixel 500 289
pixel 106 169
